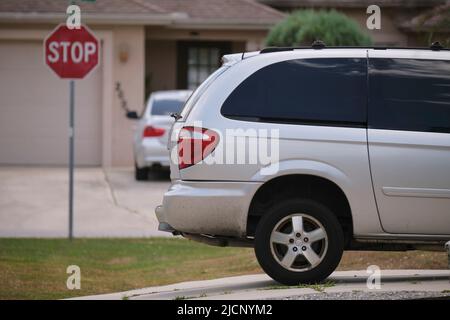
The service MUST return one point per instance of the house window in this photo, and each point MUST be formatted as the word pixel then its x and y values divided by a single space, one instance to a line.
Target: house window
pixel 201 63
pixel 197 60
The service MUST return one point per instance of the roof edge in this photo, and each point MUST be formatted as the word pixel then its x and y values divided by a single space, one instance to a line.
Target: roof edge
pixel 196 23
pixel 176 20
pixel 119 18
pixel 349 4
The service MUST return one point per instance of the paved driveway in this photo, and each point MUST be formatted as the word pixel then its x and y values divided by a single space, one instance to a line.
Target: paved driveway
pixel 107 203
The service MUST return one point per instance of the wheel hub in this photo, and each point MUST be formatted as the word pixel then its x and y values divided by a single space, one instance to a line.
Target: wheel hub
pixel 299 242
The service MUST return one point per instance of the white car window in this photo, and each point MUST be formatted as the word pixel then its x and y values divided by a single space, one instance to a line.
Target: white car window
pixel 163 107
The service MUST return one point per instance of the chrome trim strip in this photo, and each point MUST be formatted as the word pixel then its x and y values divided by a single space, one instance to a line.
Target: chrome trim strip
pixel 416 192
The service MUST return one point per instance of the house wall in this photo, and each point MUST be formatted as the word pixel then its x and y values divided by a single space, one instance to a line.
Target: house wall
pixel 388 35
pixel 130 74
pixel 116 129
pixel 161 63
pixel 237 34
pixel 161 60
pixel 161 50
pixel 147 51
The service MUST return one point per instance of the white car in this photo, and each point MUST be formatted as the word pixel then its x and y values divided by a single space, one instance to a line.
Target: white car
pixel 151 135
pixel 363 138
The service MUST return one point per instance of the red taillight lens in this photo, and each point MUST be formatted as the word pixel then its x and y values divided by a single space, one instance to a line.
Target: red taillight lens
pixel 150 131
pixel 195 144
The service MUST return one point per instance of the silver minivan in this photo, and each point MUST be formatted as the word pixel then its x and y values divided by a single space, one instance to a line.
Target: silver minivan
pixel 361 138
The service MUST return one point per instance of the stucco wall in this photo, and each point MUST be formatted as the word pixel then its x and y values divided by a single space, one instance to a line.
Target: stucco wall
pixel 130 74
pixel 158 56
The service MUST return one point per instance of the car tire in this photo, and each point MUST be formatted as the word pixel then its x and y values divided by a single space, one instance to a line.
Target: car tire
pixel 312 260
pixel 140 174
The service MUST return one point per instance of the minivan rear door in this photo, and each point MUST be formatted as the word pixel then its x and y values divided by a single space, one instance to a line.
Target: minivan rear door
pixel 409 139
pixel 179 123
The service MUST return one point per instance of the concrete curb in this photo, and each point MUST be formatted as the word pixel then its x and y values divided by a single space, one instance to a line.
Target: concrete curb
pixel 260 286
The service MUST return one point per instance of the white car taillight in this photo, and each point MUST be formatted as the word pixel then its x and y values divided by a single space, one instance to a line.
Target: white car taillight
pixel 150 131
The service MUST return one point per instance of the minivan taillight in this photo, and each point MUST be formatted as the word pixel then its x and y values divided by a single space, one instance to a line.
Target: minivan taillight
pixel 195 144
pixel 150 131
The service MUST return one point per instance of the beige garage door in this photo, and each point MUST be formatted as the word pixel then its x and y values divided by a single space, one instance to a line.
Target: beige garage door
pixel 34 110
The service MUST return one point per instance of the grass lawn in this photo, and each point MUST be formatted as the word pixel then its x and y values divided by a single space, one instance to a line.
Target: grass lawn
pixel 36 268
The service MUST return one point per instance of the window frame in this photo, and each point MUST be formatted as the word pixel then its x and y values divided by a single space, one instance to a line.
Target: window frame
pixel 183 47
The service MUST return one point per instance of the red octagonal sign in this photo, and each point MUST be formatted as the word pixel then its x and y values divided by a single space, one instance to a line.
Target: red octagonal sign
pixel 71 53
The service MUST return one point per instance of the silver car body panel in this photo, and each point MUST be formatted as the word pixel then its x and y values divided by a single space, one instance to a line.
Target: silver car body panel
pixel 413 196
pixel 204 207
pixel 411 171
pixel 214 199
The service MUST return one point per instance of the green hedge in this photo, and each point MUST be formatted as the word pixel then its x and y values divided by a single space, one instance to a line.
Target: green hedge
pixel 302 27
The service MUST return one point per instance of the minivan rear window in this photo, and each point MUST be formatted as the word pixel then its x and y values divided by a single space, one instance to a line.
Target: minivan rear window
pixel 200 90
pixel 317 91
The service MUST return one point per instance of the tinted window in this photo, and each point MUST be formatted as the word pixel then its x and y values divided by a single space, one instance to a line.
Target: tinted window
pixel 316 91
pixel 407 94
pixel 166 106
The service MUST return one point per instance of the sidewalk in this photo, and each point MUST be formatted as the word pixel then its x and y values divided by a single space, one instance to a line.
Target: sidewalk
pixel 395 284
pixel 34 203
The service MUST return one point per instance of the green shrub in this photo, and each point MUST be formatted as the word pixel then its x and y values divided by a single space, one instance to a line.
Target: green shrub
pixel 302 27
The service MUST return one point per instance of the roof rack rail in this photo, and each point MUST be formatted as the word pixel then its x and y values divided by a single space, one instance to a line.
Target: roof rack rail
pixel 318 44
pixel 276 49
pixel 436 46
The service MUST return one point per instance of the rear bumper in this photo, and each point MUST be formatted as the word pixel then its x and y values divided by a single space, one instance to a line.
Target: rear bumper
pixel 164 226
pixel 213 208
pixel 151 151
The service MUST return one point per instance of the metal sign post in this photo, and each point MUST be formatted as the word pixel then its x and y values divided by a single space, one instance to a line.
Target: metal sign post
pixel 71 153
pixel 71 54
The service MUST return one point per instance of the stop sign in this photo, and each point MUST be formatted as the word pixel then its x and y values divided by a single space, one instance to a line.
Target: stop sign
pixel 71 53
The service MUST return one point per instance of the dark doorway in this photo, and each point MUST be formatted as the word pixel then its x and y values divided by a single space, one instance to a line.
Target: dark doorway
pixel 197 60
